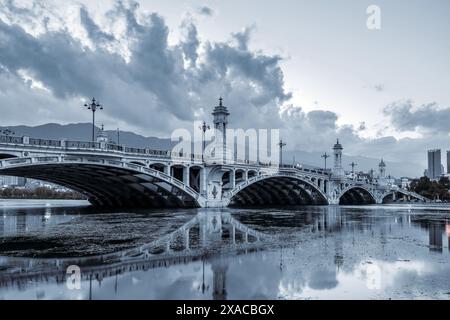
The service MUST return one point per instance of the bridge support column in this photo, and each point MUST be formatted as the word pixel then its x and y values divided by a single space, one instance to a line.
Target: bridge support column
pixel 186 175
pixel 167 169
pixel 233 235
pixel 233 178
pixel 203 183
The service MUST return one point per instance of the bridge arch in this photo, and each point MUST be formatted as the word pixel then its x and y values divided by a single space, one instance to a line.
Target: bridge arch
pixel 105 182
pixel 159 166
pixel 356 195
pixel 8 155
pixel 195 181
pixel 252 173
pixel 276 189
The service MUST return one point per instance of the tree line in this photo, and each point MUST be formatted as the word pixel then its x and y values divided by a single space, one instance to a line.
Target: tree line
pixel 39 193
pixel 433 190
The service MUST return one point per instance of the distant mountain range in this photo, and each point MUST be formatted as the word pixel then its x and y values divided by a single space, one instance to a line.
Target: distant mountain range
pixel 83 131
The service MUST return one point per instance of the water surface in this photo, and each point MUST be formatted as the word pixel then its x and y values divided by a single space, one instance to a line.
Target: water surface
pixel 375 252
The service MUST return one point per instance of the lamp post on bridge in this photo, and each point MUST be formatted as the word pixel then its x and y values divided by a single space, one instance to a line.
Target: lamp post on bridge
pixel 325 156
pixel 281 144
pixel 93 106
pixel 353 165
pixel 118 136
pixel 204 127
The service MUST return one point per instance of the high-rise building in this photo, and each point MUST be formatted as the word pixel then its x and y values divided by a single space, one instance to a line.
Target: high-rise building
pixel 434 164
pixel 448 161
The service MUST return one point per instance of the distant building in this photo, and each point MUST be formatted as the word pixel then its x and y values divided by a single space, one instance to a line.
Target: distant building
pixel 405 183
pixel 448 161
pixel 9 181
pixel 434 164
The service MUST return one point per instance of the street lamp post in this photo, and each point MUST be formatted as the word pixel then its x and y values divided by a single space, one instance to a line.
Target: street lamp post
pixel 204 127
pixel 118 136
pixel 325 156
pixel 93 106
pixel 281 144
pixel 353 165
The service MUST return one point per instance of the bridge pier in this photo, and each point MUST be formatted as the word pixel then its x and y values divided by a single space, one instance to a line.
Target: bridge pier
pixel 233 235
pixel 233 178
pixel 186 175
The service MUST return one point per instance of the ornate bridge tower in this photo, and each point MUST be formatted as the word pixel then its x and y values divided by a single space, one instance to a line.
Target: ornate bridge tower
pixel 382 174
pixel 102 138
pixel 338 171
pixel 220 114
pixel 337 175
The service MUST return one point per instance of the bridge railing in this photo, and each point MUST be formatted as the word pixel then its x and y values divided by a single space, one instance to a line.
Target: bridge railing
pixel 167 154
pixel 305 169
pixel 44 142
pixel 82 145
pixel 11 139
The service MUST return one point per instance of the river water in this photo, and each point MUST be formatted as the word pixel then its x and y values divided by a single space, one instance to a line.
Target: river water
pixel 328 252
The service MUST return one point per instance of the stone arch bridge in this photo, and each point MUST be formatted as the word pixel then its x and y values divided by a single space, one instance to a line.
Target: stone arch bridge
pixel 119 176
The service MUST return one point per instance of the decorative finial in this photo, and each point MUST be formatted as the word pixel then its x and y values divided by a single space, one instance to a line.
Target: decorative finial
pixel 220 101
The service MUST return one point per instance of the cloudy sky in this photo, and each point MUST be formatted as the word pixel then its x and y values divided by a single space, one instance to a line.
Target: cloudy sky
pixel 310 68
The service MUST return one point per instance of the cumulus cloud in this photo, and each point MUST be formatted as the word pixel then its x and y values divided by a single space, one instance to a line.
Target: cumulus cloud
pixel 429 117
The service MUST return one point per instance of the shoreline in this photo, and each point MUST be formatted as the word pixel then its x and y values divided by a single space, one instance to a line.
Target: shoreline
pixel 17 203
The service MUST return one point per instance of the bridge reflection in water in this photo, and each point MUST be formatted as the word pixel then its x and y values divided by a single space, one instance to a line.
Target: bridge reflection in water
pixel 214 253
pixel 208 237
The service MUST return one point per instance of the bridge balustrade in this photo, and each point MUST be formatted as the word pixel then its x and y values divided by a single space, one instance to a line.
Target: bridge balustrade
pixel 82 145
pixel 11 139
pixel 135 150
pixel 114 147
pixel 44 142
pixel 159 153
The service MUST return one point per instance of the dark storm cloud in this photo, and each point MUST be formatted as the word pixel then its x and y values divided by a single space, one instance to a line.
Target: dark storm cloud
pixel 405 117
pixel 190 42
pixel 93 30
pixel 55 58
pixel 70 69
